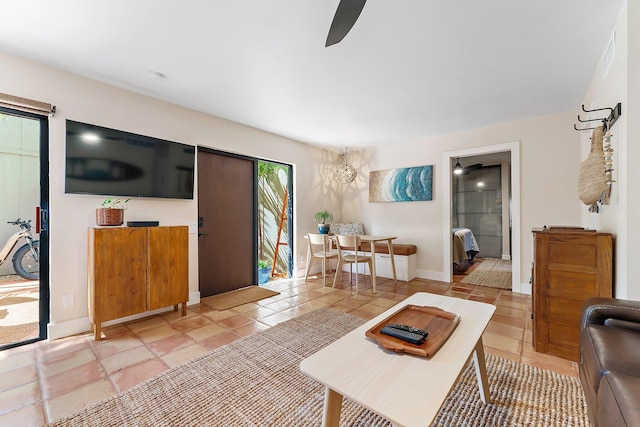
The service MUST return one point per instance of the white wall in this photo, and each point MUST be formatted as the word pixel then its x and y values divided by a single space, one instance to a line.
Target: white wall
pixel 85 100
pixel 621 84
pixel 549 151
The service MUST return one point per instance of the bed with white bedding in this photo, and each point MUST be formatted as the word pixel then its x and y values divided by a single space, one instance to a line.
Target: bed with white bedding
pixel 465 246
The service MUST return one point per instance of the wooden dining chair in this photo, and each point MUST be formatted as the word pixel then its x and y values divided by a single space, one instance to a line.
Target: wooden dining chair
pixel 348 253
pixel 319 246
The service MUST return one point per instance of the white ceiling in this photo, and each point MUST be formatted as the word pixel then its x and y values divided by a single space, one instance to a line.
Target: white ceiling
pixel 409 69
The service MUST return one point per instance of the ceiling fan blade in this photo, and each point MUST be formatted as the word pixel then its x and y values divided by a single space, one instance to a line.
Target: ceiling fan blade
pixel 346 16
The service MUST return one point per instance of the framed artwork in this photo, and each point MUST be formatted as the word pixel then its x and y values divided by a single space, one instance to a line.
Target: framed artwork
pixel 401 185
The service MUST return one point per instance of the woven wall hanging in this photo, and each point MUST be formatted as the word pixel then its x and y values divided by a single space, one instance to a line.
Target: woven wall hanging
pixel 592 180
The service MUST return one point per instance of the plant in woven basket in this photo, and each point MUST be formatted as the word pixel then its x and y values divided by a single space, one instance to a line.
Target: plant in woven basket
pixel 111 212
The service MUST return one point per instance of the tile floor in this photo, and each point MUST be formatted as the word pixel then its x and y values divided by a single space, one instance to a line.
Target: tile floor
pixel 47 380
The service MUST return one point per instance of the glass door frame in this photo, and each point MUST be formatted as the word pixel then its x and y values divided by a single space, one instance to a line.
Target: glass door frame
pixel 44 291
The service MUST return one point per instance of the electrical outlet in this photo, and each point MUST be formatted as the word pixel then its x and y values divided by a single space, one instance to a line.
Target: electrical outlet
pixel 67 301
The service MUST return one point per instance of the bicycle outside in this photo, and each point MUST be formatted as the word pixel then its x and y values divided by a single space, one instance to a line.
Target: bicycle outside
pixel 26 260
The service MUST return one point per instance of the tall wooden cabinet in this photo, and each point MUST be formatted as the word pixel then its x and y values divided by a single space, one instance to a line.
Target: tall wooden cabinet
pixel 570 266
pixel 136 269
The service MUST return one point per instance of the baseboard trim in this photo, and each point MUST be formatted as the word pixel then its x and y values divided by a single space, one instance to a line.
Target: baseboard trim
pixel 431 275
pixel 78 326
pixel 70 327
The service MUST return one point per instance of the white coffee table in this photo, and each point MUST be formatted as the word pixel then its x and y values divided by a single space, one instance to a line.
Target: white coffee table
pixel 405 389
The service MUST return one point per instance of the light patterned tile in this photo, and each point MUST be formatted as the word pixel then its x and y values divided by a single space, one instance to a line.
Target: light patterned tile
pixel 189 323
pixel 274 319
pixel 259 313
pixel 67 361
pixel 27 416
pixel 246 307
pixel 219 340
pixel 182 355
pixel 71 379
pixel 505 330
pixel 347 304
pixel 71 402
pixel 235 321
pixel 10 360
pixel 151 322
pixel 112 346
pixel 218 315
pixel 169 344
pixel 126 358
pixel 502 343
pixel 133 375
pixel 155 334
pixel 251 328
pixel 205 332
pixel 19 376
pixel 19 397
pixel 49 350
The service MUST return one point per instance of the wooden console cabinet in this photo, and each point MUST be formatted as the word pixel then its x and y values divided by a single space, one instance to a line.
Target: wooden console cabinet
pixel 136 269
pixel 570 266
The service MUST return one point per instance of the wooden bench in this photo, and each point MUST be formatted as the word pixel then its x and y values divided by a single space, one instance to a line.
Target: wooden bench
pixel 398 249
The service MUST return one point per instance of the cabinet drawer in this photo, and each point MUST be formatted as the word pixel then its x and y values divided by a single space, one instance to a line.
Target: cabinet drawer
pixel 384 268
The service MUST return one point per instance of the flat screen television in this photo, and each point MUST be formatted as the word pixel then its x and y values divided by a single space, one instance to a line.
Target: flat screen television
pixel 110 162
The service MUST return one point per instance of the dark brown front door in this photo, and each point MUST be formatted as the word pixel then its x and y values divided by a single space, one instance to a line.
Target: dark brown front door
pixel 226 205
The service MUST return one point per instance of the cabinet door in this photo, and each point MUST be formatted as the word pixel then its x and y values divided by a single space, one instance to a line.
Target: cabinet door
pixel 119 279
pixel 168 266
pixel 385 269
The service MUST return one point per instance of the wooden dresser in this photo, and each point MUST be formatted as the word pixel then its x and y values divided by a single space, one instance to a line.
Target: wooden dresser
pixel 571 265
pixel 136 269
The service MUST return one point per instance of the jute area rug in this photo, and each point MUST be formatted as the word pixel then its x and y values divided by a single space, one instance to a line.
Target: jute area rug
pixel 256 381
pixel 238 297
pixel 492 272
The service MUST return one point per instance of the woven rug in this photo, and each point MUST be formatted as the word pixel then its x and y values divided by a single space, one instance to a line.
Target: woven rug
pixel 238 297
pixel 256 381
pixel 492 272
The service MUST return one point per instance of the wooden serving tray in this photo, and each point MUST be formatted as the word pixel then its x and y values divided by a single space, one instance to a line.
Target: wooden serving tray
pixel 437 322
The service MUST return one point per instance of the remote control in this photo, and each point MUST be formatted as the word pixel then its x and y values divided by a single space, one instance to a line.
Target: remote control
pixel 408 328
pixel 411 337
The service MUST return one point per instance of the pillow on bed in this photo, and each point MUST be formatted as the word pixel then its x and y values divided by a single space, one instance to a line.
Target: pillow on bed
pixel 350 229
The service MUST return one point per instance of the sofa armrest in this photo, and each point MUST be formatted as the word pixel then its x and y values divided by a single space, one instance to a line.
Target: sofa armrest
pixel 611 312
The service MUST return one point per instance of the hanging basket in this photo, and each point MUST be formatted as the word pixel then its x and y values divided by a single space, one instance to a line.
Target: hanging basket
pixel 109 216
pixel 592 178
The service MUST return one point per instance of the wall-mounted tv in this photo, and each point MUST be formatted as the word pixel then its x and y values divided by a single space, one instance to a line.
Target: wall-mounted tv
pixel 110 162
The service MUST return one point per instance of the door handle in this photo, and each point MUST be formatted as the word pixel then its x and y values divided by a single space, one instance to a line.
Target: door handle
pixel 44 219
pixel 202 234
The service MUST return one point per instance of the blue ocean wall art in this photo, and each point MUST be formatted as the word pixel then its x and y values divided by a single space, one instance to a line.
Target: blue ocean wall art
pixel 401 185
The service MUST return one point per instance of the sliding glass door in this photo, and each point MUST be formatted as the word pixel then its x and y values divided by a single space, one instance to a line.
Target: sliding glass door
pixel 24 285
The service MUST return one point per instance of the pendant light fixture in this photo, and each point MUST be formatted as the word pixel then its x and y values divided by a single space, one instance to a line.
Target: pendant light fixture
pixel 346 172
pixel 457 169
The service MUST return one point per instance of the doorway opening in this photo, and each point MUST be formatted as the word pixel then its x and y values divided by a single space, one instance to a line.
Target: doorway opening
pixel 275 258
pixel 24 289
pixel 483 201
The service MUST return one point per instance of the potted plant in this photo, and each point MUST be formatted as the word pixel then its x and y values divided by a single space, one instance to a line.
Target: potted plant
pixel 111 212
pixel 264 271
pixel 323 219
